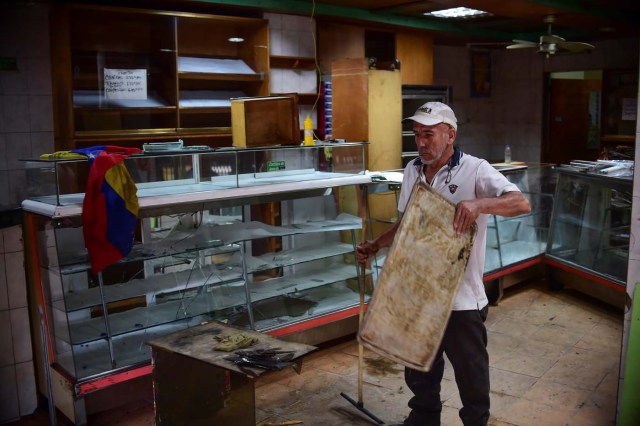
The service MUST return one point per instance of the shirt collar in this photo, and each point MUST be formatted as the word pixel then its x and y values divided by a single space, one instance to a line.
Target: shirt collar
pixel 453 161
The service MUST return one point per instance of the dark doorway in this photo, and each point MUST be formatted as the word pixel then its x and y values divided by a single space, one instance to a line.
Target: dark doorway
pixel 573 119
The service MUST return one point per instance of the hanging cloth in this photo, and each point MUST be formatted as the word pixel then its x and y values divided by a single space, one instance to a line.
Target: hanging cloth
pixel 110 207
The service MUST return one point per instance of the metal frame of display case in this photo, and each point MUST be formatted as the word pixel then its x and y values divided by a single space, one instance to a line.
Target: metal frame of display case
pixel 294 178
pixel 591 219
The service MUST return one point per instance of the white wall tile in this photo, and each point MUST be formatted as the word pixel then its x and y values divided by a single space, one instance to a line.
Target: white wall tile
pixel 275 20
pixel 289 42
pixel 307 81
pixel 21 334
pixel 15 113
pixel 4 291
pixel 275 42
pixel 276 80
pixel 39 75
pixel 17 187
pixel 9 404
pixel 16 284
pixel 41 113
pixel 3 151
pixel 4 189
pixel 306 45
pixel 12 237
pixel 36 31
pixel 18 146
pixel 15 82
pixel 41 143
pixel 27 392
pixel 6 340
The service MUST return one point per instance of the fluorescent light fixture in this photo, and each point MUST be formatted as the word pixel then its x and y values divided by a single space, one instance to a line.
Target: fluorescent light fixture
pixel 457 12
pixel 236 39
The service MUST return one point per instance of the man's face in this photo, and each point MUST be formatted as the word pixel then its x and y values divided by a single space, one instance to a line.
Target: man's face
pixel 432 141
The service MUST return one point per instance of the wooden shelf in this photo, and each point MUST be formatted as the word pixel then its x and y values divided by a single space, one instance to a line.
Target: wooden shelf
pixel 220 76
pixel 188 57
pixel 622 139
pixel 293 62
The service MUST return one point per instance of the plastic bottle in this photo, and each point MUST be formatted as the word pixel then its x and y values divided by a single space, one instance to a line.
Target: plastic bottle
pixel 507 154
pixel 308 131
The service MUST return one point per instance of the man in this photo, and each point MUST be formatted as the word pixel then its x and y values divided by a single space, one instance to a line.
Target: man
pixel 478 190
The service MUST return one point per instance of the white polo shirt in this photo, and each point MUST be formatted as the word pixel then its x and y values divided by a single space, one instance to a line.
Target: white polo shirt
pixel 465 178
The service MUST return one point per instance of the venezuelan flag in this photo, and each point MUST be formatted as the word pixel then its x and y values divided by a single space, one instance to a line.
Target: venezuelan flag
pixel 110 207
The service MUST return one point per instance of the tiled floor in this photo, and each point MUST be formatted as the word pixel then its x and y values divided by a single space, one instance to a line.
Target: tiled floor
pixel 554 361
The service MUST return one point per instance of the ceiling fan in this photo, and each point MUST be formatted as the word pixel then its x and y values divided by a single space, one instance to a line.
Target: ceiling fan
pixel 551 44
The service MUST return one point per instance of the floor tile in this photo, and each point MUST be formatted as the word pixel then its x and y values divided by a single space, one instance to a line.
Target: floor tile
pixel 556 394
pixel 528 413
pixel 557 334
pixel 509 383
pixel 581 368
pixel 517 362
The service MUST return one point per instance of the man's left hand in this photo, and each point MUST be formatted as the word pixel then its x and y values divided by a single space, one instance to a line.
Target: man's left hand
pixel 466 213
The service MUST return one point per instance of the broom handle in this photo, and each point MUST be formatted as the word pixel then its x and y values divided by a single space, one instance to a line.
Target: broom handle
pixel 360 318
pixel 363 269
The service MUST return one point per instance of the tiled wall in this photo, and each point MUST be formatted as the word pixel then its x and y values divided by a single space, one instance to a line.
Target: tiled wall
pixel 26 130
pixel 512 114
pixel 17 377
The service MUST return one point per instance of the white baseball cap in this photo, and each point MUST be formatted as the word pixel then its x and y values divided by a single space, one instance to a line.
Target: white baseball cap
pixel 433 113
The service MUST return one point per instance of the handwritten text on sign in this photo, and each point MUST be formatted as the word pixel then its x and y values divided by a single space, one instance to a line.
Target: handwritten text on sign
pixel 125 84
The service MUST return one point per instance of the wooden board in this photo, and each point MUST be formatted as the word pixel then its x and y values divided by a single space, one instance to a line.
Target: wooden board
pixel 414 295
pixel 198 343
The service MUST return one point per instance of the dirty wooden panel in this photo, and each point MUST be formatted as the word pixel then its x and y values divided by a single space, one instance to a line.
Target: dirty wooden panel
pixel 198 342
pixel 414 295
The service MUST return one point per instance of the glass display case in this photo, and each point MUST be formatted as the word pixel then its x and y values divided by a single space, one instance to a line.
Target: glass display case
pixel 513 240
pixel 591 225
pixel 252 237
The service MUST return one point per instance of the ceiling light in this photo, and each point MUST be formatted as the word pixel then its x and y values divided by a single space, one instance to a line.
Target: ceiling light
pixel 457 12
pixel 236 39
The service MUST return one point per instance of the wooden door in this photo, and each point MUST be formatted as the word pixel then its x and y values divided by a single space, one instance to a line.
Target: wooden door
pixel 569 122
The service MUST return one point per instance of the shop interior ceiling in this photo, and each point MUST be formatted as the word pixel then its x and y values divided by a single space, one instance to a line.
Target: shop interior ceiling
pixel 586 21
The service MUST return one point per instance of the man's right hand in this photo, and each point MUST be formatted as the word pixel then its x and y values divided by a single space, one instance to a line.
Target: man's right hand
pixel 365 250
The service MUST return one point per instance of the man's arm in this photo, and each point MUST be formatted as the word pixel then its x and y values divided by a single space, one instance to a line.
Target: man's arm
pixel 366 249
pixel 508 204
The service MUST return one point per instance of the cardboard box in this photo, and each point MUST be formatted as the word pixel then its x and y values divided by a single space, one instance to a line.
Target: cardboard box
pixel 265 121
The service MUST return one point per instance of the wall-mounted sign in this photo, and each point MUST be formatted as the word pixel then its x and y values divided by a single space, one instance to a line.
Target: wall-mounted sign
pixel 125 84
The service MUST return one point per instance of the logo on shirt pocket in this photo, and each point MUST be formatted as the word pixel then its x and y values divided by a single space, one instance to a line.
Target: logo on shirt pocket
pixel 453 188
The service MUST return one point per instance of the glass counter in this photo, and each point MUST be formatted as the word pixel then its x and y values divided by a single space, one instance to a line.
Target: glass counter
pixel 511 240
pixel 591 224
pixel 252 237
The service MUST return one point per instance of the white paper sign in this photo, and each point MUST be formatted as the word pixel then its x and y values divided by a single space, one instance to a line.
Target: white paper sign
pixel 125 84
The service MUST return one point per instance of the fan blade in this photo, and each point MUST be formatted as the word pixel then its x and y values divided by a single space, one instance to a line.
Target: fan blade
pixel 550 38
pixel 520 44
pixel 575 47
